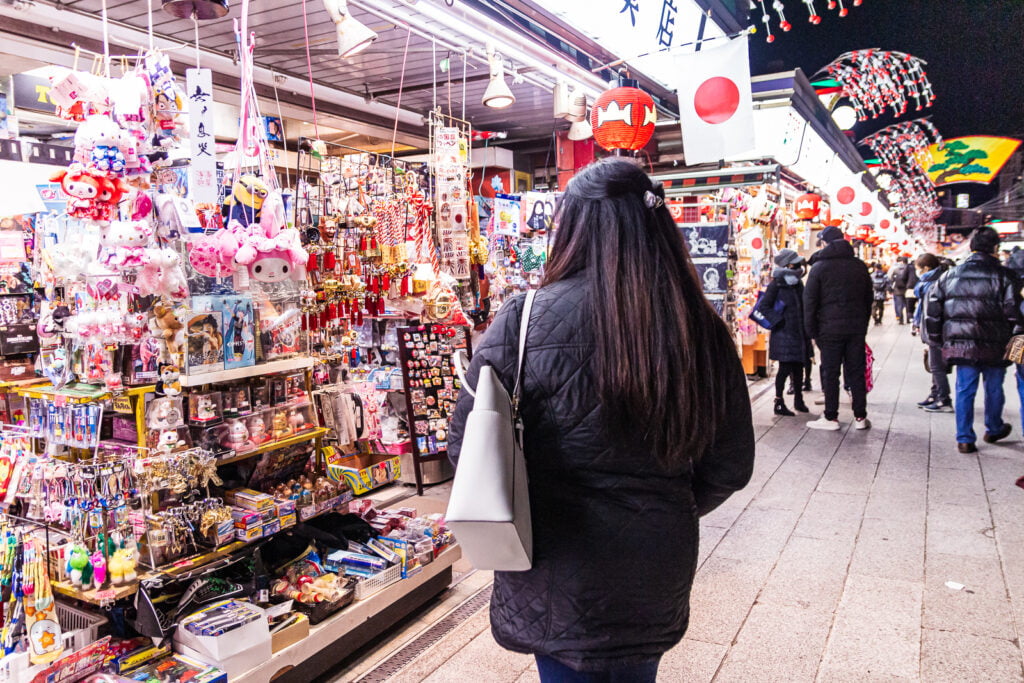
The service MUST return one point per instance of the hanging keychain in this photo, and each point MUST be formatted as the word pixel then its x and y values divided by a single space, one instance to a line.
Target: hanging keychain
pixel 44 633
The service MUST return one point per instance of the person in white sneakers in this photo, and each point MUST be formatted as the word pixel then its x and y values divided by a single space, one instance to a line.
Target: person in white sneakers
pixel 837 308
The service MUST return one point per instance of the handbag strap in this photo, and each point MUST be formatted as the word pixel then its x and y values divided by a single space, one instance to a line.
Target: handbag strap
pixel 524 326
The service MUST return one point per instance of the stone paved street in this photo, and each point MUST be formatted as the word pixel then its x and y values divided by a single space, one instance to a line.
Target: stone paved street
pixel 832 565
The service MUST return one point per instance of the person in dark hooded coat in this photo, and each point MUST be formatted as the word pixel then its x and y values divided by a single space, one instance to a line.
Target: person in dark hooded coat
pixel 788 342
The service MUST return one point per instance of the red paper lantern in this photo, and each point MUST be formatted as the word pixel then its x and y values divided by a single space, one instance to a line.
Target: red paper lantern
pixel 807 206
pixel 623 118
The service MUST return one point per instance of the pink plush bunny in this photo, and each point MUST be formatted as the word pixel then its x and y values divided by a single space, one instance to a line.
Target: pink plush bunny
pixel 213 255
pixel 162 275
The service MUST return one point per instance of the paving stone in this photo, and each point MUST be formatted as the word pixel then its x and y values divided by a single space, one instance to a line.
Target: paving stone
pixel 877 631
pixel 810 573
pixel 980 609
pixel 957 487
pixel 484 661
pixel 890 548
pixel 847 475
pixel 723 593
pixel 777 643
pixel 960 530
pixel 709 538
pixel 693 661
pixel 832 516
pixel 758 535
pixel 950 656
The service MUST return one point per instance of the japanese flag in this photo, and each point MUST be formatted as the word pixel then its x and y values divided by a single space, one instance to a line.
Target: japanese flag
pixel 715 106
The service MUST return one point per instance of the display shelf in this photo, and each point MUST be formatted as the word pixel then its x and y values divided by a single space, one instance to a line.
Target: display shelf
pixel 373 614
pixel 95 597
pixel 77 392
pixel 276 445
pixel 284 365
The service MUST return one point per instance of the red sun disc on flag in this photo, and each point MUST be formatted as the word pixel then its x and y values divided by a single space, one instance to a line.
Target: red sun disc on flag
pixel 846 195
pixel 716 100
pixel 865 209
pixel 884 224
pixel 757 244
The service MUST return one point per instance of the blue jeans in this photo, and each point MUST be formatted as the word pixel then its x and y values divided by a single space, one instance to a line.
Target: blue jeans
pixel 967 377
pixel 552 671
pixel 1020 392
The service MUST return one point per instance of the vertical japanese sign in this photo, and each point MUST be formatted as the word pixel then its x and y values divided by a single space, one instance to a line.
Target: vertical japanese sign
pixel 202 172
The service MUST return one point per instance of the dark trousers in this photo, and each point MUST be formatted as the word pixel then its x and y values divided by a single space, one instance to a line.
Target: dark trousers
pixel 790 371
pixel 552 671
pixel 911 307
pixel 899 303
pixel 937 366
pixel 878 310
pixel 846 353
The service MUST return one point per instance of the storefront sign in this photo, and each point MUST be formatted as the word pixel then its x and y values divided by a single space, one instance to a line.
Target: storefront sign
pixel 202 172
pixel 629 28
pixel 33 93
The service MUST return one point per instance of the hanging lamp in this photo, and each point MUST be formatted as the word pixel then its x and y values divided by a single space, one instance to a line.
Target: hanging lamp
pixel 353 35
pixel 202 9
pixel 498 95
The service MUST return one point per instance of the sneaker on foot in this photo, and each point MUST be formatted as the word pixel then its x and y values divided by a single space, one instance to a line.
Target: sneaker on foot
pixel 807 386
pixel 862 423
pixel 824 424
pixel 800 407
pixel 944 406
pixel 781 409
pixel 927 402
pixel 998 436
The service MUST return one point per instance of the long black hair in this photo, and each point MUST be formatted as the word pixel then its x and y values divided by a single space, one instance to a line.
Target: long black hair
pixel 661 361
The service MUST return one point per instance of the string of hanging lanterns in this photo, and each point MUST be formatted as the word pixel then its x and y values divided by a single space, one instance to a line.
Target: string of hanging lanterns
pixel 875 80
pixel 813 16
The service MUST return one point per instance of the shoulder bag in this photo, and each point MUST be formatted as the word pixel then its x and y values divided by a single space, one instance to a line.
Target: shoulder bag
pixel 489 507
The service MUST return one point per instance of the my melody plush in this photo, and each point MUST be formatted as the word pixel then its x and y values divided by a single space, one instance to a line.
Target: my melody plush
pixel 82 188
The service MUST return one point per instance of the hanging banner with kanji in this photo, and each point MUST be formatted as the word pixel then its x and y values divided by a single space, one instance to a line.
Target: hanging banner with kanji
pixel 202 172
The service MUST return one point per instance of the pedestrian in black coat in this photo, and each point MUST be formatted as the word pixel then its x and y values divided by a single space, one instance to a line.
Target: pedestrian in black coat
pixel 637 422
pixel 787 342
pixel 972 311
pixel 837 306
pixel 880 284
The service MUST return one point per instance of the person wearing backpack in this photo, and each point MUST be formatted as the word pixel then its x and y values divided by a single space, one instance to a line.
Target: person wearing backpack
pixel 636 422
pixel 930 270
pixel 787 343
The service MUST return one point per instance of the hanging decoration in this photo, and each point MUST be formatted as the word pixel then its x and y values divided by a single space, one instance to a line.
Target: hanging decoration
pixel 623 117
pixel 903 150
pixel 875 80
pixel 201 9
pixel 812 14
pixel 807 206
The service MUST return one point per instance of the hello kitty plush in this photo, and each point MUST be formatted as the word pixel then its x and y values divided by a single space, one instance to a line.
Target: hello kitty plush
pixel 106 153
pixel 82 188
pixel 124 243
pixel 162 275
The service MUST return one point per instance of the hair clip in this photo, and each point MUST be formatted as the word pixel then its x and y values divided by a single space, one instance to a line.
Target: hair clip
pixel 652 200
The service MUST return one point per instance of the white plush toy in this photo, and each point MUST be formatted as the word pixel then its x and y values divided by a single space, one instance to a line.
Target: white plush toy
pixel 162 275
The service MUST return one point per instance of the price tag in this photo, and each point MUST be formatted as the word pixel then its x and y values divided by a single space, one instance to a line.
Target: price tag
pixel 123 404
pixel 60 400
pixel 182 563
pixel 106 595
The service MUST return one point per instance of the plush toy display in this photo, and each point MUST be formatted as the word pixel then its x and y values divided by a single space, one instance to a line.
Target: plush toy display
pixel 213 255
pixel 124 243
pixel 162 275
pixel 246 200
pixel 169 383
pixel 122 567
pixel 82 188
pixel 165 326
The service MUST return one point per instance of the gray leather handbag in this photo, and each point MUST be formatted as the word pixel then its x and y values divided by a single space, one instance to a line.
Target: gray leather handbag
pixel 489 508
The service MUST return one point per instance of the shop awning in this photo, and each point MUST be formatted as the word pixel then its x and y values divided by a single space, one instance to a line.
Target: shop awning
pixel 691 182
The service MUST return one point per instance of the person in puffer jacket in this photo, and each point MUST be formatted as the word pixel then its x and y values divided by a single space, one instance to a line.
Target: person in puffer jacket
pixel 636 422
pixel 938 401
pixel 972 311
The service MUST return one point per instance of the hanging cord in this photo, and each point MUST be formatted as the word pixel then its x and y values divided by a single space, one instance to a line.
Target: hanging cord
pixel 448 59
pixel 195 25
pixel 464 61
pixel 309 67
pixel 106 39
pixel 401 84
pixel 284 138
pixel 149 22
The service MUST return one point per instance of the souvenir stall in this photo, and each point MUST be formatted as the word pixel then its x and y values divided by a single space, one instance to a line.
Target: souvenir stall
pixel 212 377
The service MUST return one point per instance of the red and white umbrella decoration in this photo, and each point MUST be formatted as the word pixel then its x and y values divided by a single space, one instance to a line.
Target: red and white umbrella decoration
pixel 876 80
pixel 903 150
pixel 812 13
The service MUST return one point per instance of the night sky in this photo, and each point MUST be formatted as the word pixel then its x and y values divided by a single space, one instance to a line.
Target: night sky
pixel 974 50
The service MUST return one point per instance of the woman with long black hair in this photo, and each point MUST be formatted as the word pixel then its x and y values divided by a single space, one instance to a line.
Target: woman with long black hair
pixel 637 422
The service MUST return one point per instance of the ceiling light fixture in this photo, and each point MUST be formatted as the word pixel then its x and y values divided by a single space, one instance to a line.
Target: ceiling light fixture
pixel 845 117
pixel 353 35
pixel 201 9
pixel 581 128
pixel 498 95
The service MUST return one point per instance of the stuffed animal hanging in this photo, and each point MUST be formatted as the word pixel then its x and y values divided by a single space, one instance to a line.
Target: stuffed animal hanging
pixel 246 200
pixel 274 259
pixel 124 243
pixel 162 275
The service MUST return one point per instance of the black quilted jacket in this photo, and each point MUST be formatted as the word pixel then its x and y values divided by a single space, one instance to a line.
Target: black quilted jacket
pixel 615 534
pixel 973 310
pixel 838 293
